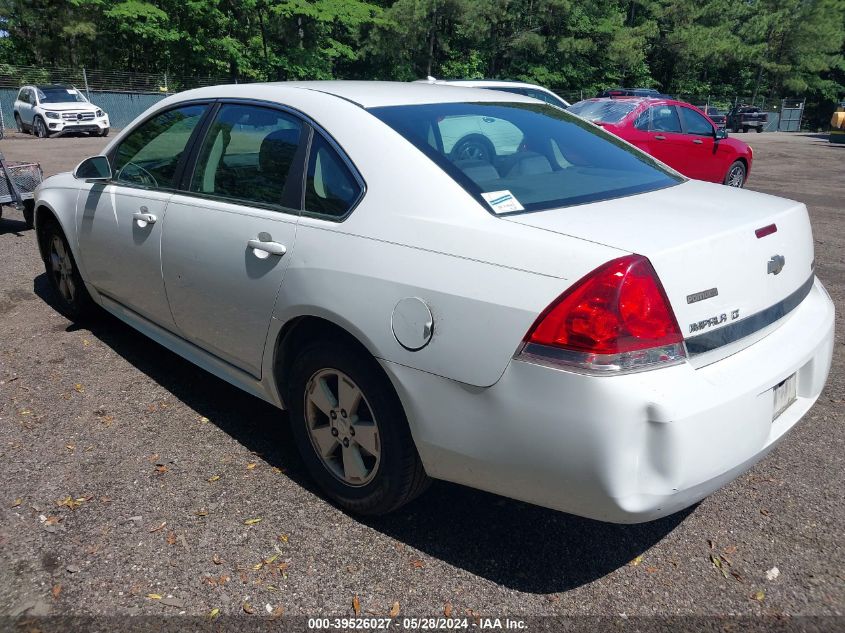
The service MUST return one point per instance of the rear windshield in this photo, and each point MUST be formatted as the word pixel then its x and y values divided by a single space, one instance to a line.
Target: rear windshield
pixel 517 157
pixel 604 111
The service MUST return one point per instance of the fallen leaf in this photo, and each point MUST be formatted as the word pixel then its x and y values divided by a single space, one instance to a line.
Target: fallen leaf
pixel 258 566
pixel 279 471
pixel 153 596
pixel 158 527
pixel 51 520
pixel 160 469
pixel 56 590
pixel 447 609
pixel 213 613
pixel 171 538
pixel 267 561
pixel 85 342
pixel 651 570
pixel 759 596
pixel 203 420
pixel 394 610
pixel 283 538
pixel 773 573
pixel 248 608
pixel 730 549
pixel 356 605
pixel 201 513
pixel 252 521
pixel 216 560
pixel 737 575
pixel 70 447
pixel 417 564
pixel 70 502
pixel 214 478
pixel 251 466
pixel 78 388
pixel 636 561
pixel 277 613
pixel 764 512
pixel 710 543
pixel 17 502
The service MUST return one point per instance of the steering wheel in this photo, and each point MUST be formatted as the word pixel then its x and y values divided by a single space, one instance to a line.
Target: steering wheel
pixel 133 172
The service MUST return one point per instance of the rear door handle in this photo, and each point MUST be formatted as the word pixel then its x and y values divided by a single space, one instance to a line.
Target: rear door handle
pixel 263 246
pixel 697 141
pixel 143 218
pixel 660 137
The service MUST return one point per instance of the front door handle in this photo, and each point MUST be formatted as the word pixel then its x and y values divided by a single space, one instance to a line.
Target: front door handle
pixel 263 246
pixel 660 137
pixel 143 218
pixel 697 141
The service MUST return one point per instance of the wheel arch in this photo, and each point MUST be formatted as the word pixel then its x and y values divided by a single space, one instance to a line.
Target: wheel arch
pixel 300 331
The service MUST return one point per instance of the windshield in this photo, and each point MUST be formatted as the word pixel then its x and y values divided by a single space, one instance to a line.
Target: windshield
pixel 516 157
pixel 606 111
pixel 59 94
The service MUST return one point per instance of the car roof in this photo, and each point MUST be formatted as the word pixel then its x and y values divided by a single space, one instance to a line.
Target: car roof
pixel 480 83
pixel 52 87
pixel 367 94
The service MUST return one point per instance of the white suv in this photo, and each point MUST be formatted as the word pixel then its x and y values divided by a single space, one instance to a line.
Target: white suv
pixel 516 87
pixel 55 109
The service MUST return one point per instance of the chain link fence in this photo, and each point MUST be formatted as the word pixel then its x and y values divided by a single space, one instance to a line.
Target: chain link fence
pixel 123 95
pixel 126 95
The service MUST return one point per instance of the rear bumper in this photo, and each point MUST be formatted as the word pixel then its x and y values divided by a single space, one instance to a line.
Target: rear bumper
pixel 624 449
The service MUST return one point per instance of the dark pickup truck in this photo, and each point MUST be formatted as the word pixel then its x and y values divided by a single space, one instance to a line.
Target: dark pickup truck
pixel 719 117
pixel 746 118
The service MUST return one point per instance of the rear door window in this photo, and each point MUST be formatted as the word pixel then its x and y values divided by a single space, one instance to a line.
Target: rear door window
pixel 247 156
pixel 664 118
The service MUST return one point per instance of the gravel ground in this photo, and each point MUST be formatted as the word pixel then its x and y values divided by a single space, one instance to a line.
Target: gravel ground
pixel 128 473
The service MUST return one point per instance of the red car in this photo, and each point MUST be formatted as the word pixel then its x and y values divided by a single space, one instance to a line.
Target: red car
pixel 677 133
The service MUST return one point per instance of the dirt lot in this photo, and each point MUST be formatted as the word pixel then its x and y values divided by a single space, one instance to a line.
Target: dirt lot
pixel 128 473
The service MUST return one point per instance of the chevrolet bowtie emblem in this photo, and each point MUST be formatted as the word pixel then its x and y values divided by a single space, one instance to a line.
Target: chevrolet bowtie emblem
pixel 776 264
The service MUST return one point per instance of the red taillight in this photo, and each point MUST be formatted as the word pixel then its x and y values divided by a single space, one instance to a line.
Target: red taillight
pixel 620 307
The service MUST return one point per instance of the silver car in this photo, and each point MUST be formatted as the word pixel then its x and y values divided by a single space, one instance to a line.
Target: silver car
pixel 563 320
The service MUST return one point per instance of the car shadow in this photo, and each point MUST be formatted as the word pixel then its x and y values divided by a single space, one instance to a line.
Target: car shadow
pixel 517 545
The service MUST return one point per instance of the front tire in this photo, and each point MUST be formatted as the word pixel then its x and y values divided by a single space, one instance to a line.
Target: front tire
pixel 72 297
pixel 40 128
pixel 736 174
pixel 351 429
pixel 105 132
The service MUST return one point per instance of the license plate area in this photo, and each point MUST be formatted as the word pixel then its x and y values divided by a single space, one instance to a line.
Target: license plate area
pixel 785 393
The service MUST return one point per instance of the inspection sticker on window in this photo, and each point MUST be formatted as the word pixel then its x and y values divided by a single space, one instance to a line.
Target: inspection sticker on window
pixel 502 201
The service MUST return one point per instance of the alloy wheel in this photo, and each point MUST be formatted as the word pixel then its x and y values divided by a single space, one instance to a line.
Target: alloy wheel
pixel 342 427
pixel 61 267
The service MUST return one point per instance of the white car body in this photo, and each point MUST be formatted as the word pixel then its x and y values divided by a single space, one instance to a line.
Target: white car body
pixel 621 447
pixel 75 114
pixel 515 87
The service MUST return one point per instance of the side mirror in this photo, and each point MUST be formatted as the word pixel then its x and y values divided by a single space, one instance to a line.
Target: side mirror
pixel 94 168
pixel 721 133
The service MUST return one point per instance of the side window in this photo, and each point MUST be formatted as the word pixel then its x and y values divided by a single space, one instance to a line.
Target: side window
pixel 643 120
pixel 696 124
pixel 664 118
pixel 247 155
pixel 330 187
pixel 149 155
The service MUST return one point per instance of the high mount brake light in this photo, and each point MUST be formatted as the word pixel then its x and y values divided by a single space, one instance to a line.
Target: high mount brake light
pixel 615 319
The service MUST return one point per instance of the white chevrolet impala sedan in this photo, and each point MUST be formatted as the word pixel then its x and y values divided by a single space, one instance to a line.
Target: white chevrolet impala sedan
pixel 560 318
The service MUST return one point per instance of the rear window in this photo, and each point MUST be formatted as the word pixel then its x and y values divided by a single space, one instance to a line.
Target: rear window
pixel 517 157
pixel 604 111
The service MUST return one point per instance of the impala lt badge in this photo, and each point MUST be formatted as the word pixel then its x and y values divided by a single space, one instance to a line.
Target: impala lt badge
pixel 776 264
pixel 713 321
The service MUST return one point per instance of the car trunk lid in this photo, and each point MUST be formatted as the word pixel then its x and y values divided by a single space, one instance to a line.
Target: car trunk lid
pixel 702 240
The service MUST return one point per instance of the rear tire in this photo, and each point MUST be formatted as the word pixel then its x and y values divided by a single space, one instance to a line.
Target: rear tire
pixel 759 129
pixel 373 470
pixel 19 123
pixel 72 297
pixel 736 175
